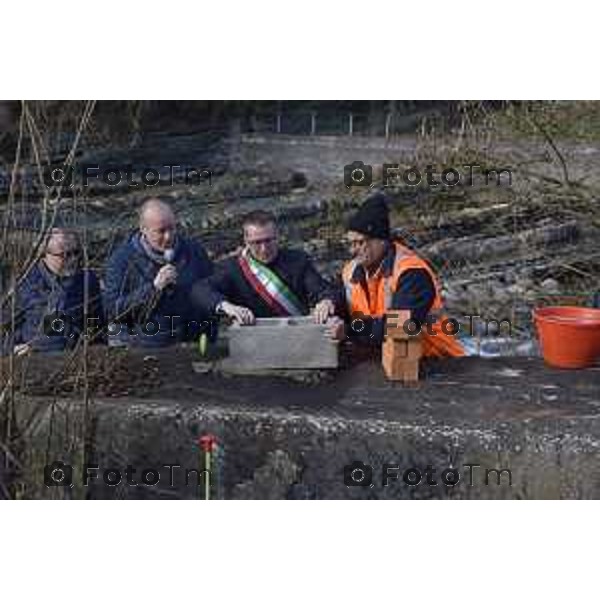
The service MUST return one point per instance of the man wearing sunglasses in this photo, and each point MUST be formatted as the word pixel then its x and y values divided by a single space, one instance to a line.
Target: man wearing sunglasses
pixel 385 275
pixel 264 280
pixel 57 300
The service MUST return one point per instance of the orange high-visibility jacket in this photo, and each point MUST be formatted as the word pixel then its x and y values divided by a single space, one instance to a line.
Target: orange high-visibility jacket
pixel 381 289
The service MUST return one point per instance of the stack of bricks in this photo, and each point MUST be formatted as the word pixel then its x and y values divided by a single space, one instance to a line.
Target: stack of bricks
pixel 400 351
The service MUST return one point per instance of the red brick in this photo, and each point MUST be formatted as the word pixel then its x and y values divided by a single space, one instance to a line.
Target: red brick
pixel 400 358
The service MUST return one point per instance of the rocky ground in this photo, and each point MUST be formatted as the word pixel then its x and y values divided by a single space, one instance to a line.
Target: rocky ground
pixel 281 438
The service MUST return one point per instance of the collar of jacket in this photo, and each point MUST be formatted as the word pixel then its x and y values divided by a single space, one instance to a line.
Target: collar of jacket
pixel 140 242
pixel 50 279
pixel 387 265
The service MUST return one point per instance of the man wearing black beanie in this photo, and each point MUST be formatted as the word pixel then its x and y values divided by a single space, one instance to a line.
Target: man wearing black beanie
pixel 386 275
pixel 372 218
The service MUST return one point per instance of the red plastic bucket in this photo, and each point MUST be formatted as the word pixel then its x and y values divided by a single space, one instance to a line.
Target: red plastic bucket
pixel 569 335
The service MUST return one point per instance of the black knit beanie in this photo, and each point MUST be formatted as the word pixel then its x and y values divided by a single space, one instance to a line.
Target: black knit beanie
pixel 372 218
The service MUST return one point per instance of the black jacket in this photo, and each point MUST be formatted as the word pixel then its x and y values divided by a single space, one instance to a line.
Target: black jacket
pixel 294 267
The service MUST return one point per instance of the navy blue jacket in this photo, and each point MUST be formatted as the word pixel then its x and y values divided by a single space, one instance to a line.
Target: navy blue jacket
pixel 50 310
pixel 148 317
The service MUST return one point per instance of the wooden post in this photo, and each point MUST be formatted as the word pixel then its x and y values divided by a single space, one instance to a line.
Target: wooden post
pixel 400 351
pixel 350 124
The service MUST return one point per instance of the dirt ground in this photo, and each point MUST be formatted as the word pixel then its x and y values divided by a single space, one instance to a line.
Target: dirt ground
pixel 490 390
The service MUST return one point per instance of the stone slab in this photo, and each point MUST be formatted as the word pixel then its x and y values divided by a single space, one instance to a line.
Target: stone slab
pixel 281 343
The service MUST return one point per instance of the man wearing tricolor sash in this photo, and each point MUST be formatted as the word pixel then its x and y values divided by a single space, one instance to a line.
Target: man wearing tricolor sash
pixel 264 280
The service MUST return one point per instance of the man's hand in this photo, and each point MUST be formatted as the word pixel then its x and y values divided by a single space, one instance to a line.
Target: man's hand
pixel 165 277
pixel 240 314
pixel 22 349
pixel 336 329
pixel 323 310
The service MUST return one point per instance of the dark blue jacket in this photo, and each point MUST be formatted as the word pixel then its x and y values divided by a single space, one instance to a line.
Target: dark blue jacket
pixel 45 303
pixel 147 317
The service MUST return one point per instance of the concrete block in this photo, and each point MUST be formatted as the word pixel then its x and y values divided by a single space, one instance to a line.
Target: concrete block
pixel 281 343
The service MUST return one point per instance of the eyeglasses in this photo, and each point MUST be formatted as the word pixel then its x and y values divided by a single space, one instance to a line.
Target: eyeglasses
pixel 355 243
pixel 69 254
pixel 263 242
pixel 162 230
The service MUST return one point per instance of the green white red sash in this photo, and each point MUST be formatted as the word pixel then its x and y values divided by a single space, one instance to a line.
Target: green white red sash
pixel 269 286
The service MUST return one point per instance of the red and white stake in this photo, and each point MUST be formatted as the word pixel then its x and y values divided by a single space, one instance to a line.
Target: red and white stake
pixel 208 444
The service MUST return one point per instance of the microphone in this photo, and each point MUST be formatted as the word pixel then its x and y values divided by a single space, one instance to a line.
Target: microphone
pixel 169 255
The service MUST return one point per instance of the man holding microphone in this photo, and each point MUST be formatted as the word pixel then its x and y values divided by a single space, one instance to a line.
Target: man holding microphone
pixel 149 279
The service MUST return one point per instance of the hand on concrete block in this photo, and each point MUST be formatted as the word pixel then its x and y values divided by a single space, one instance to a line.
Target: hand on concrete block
pixel 240 314
pixel 323 311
